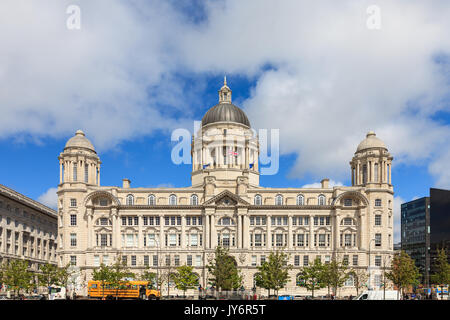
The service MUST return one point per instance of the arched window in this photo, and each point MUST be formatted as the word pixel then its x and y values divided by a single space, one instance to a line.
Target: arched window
pixel 194 200
pixel 172 199
pixel 300 200
pixel 258 200
pixel 279 200
pixel 350 281
pixel 321 200
pixel 299 282
pixel 130 200
pixel 151 200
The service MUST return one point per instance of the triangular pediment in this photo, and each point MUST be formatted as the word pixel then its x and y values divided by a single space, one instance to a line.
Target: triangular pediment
pixel 226 198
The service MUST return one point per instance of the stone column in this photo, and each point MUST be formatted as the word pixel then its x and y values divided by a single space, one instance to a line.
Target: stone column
pixel 60 172
pixel 290 231
pixel 336 230
pixel 247 158
pixel 358 180
pixel 183 231
pixel 239 230
pixel 161 232
pixel 213 231
pixel 269 233
pixel 207 232
pixel 390 173
pixel 245 233
pixel 311 235
pixel 140 239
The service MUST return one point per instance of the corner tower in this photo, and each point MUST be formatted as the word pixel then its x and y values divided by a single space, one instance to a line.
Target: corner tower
pixel 225 149
pixel 79 162
pixel 372 164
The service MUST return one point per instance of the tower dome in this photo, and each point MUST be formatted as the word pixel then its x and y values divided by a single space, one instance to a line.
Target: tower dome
pixel 225 111
pixel 79 141
pixel 371 141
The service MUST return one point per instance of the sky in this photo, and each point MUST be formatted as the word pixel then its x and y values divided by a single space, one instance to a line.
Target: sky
pixel 130 72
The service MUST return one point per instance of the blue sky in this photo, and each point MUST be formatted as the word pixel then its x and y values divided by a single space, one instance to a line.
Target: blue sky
pixel 137 70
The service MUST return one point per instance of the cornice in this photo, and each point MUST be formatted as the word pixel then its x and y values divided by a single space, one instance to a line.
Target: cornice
pixel 16 196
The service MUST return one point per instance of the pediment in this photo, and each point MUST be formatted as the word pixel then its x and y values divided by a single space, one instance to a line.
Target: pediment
pixel 226 199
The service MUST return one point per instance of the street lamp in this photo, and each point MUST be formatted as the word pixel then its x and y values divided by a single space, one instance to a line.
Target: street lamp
pixel 157 265
pixel 370 285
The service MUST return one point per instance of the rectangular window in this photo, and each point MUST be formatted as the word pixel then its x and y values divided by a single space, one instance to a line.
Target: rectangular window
pixel 133 260
pixel 348 202
pixel 316 221
pixel 279 240
pixel 105 260
pixel 300 240
pixel 305 260
pixel 378 220
pixel 155 260
pixel 258 240
pixel 254 261
pixel 136 221
pixel 198 260
pixel 378 240
pixel 151 221
pixel 306 221
pixel 124 221
pixel 348 240
pixel 177 260
pixel 130 240
pixel 145 221
pixel 296 260
pixel 146 261
pixel 73 219
pixel 104 240
pixel 345 260
pixel 263 259
pixel 377 202
pixel 73 260
pixel 73 239
pixel 378 261
pixel 226 239
pixel 73 202
pixel 189 260
pixel 355 260
pixel 172 240
pixel 327 259
pixel 321 240
pixel 194 240
pixel 96 261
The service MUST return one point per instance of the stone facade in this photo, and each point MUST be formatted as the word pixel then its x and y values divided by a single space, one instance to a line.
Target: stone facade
pixel 224 205
pixel 28 229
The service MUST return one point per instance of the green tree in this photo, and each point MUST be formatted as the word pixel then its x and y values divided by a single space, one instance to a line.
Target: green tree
pixel 312 277
pixel 64 276
pixel 16 275
pixel 48 276
pixel 149 276
pixel 104 275
pixel 336 273
pixel 118 272
pixel 403 273
pixel 185 278
pixel 273 273
pixel 223 271
pixel 360 278
pixel 442 275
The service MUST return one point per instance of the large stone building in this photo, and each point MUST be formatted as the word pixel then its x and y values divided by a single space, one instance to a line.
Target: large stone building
pixel 28 229
pixel 225 205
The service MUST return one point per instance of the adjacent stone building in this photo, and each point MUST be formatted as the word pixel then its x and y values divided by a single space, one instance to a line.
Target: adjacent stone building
pixel 28 229
pixel 225 205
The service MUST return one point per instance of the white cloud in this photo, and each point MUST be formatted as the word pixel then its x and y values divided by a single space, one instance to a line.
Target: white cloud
pixel 331 184
pixel 49 198
pixel 321 76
